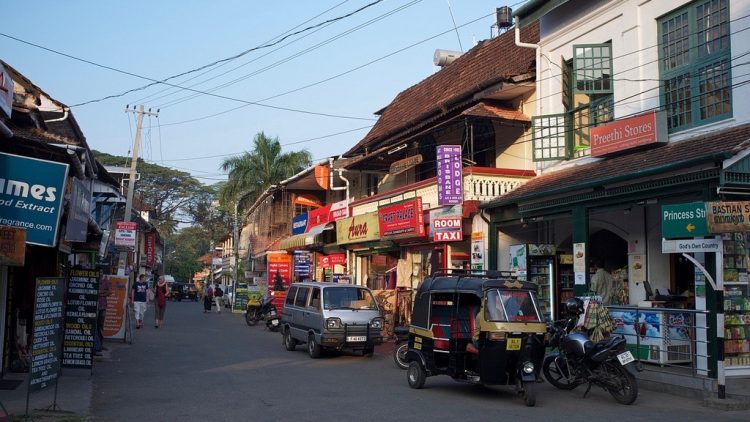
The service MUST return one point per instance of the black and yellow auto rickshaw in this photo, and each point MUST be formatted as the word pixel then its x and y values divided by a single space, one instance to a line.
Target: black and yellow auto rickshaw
pixel 483 328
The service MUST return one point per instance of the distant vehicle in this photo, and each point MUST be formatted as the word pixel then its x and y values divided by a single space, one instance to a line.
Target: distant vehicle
pixel 191 292
pixel 178 291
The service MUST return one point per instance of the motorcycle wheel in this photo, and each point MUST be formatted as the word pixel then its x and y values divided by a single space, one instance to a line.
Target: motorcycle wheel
pixel 555 375
pixel 416 375
pixel 251 317
pixel 529 394
pixel 620 383
pixel 399 355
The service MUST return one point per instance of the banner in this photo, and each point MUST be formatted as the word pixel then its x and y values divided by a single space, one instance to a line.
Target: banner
pixel 80 318
pixel 46 337
pixel 477 250
pixel 449 175
pixel 12 246
pixel 402 219
pixel 360 228
pixel 328 261
pixel 114 322
pixel 31 196
pixel 150 249
pixel 77 228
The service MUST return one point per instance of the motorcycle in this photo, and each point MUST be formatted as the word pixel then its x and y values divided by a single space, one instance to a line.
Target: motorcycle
pixel 266 311
pixel 401 346
pixel 577 360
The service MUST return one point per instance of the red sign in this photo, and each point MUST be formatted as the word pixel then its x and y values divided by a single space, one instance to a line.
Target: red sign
pixel 402 219
pixel 620 135
pixel 279 266
pixel 340 210
pixel 318 216
pixel 328 261
pixel 150 248
pixel 447 229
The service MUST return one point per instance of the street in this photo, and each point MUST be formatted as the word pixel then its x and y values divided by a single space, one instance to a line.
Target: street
pixel 214 367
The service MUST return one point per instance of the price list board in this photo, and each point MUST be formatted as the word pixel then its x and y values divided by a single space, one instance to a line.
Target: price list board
pixel 80 318
pixel 46 337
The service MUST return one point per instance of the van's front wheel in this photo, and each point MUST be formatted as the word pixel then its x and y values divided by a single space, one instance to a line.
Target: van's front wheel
pixel 313 348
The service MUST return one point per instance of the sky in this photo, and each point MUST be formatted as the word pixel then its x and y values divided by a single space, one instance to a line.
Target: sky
pixel 316 90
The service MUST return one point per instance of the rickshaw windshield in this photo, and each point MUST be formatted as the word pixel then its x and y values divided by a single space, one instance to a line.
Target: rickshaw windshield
pixel 511 306
pixel 348 298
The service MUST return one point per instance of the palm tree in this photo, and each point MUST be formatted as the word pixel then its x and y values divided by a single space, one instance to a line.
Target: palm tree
pixel 252 172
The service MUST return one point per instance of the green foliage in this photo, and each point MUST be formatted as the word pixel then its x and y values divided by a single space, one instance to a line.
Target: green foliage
pixel 182 250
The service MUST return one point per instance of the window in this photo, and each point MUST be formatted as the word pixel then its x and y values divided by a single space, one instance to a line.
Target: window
pixel 315 299
pixel 592 68
pixel 290 295
pixel 301 299
pixel 549 137
pixel 695 64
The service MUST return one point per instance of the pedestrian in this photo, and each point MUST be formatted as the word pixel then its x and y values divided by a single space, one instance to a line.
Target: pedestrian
pixel 105 289
pixel 208 298
pixel 139 299
pixel 162 291
pixel 602 283
pixel 218 297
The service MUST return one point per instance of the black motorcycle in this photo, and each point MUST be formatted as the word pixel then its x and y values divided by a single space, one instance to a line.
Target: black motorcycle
pixel 266 312
pixel 401 346
pixel 578 360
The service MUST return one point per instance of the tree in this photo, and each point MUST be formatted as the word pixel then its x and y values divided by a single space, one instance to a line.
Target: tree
pixel 253 172
pixel 182 248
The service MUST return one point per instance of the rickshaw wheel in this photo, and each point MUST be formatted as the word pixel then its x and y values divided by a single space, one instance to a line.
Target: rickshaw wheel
pixel 416 375
pixel 529 393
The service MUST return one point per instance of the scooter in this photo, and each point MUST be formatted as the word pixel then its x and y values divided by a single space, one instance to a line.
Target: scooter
pixel 401 346
pixel 265 310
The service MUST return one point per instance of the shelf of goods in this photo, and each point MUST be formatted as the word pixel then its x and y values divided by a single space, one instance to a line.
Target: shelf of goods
pixel 736 325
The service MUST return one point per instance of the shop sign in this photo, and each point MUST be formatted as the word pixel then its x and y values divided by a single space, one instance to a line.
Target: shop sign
pixel 340 210
pixel 46 338
pixel 341 278
pixel 307 200
pixel 683 220
pixel 402 219
pixel 31 195
pixel 446 224
pixel 449 175
pixel 401 166
pixel 12 246
pixel 76 230
pixel 690 245
pixel 302 264
pixel 328 261
pixel 6 92
pixel 279 267
pixel 150 248
pixel 579 263
pixel 299 224
pixel 318 216
pixel 322 175
pixel 81 303
pixel 477 250
pixel 728 217
pixel 360 228
pixel 114 319
pixel 125 233
pixel 624 134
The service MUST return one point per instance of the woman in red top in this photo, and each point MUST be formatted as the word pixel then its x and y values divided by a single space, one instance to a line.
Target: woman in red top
pixel 162 291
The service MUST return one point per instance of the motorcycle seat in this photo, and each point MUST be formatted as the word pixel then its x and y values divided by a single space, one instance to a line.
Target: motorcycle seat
pixel 605 344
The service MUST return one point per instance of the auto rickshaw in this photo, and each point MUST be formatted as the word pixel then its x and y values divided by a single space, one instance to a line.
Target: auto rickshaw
pixel 481 327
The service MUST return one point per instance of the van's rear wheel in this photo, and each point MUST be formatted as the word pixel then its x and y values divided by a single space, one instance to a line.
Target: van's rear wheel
pixel 416 375
pixel 313 348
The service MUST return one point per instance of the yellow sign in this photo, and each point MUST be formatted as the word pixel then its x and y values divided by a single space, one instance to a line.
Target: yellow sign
pixel 477 235
pixel 513 344
pixel 360 228
pixel 727 217
pixel 12 246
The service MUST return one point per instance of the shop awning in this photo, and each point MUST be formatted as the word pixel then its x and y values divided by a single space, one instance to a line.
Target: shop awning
pixel 305 240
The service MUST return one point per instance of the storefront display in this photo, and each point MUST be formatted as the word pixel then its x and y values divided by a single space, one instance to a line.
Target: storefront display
pixel 536 263
pixel 565 279
pixel 736 301
pixel 655 336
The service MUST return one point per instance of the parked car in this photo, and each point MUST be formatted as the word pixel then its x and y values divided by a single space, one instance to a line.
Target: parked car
pixel 331 316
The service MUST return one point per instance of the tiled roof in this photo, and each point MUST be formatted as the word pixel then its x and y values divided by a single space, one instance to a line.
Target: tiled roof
pixel 714 146
pixel 39 135
pixel 488 63
pixel 492 111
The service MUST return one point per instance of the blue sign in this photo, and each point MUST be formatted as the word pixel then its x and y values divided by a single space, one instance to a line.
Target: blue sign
pixel 302 263
pixel 299 224
pixel 31 195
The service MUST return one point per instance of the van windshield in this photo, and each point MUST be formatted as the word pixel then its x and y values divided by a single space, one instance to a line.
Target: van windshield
pixel 511 305
pixel 348 298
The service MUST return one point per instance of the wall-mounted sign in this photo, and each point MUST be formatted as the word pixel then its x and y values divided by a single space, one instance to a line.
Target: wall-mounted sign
pixel 477 250
pixel 76 230
pixel 727 217
pixel 322 175
pixel 125 233
pixel 328 261
pixel 150 249
pixel 340 210
pixel 446 224
pixel 683 220
pixel 299 224
pixel 31 195
pixel 318 216
pixel 360 228
pixel 12 246
pixel 402 219
pixel 579 263
pixel 449 175
pixel 624 134
pixel 401 166
pixel 690 245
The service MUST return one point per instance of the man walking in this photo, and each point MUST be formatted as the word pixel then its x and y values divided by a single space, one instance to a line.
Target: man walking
pixel 218 297
pixel 139 299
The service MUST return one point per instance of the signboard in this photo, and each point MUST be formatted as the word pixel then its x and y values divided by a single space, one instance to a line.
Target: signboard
pixel 114 321
pixel 401 166
pixel 240 298
pixel 579 263
pixel 80 318
pixel 46 337
pixel 340 210
pixel 341 278
pixel 150 249
pixel 449 175
pixel 299 224
pixel 125 233
pixel 446 224
pixel 6 92
pixel 322 175
pixel 76 230
pixel 517 258
pixel 302 264
pixel 624 134
pixel 402 219
pixel 690 245
pixel 360 228
pixel 12 246
pixel 31 195
pixel 307 200
pixel 728 217
pixel 318 216
pixel 683 220
pixel 279 266
pixel 328 261
pixel 477 250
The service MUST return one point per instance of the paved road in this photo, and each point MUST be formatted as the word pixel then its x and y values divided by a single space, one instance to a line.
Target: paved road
pixel 214 367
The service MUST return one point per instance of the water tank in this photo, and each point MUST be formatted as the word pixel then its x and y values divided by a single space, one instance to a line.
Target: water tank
pixel 445 57
pixel 504 16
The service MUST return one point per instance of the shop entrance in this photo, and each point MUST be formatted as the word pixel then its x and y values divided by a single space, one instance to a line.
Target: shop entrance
pixel 610 248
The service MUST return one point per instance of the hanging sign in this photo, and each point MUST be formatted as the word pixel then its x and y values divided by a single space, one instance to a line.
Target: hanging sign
pixel 125 233
pixel 12 246
pixel 150 247
pixel 728 217
pixel 401 166
pixel 46 338
pixel 449 175
pixel 80 318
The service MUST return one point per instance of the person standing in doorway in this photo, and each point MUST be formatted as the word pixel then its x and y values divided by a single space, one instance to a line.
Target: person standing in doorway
pixel 162 292
pixel 139 299
pixel 602 283
pixel 218 297
pixel 105 289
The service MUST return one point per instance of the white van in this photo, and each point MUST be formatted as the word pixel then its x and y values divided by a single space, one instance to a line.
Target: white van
pixel 331 316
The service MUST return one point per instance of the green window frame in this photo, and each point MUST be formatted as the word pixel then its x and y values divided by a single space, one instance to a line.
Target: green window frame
pixel 592 68
pixel 549 134
pixel 695 64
